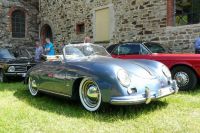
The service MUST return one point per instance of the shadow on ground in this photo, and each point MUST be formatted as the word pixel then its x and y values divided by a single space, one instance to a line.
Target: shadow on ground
pixel 68 108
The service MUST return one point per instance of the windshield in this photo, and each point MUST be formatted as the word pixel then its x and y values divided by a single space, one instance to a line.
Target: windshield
pixel 84 50
pixel 21 53
pixel 6 54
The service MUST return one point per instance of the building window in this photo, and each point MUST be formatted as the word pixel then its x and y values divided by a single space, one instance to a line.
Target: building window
pixel 102 25
pixel 80 28
pixel 187 12
pixel 18 24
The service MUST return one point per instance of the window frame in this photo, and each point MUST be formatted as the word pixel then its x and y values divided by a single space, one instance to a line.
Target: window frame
pixel 185 18
pixel 79 28
pixel 18 17
pixel 111 20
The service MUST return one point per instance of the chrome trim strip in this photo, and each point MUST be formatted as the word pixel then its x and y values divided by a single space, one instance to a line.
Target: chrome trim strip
pixel 15 73
pixel 23 64
pixel 51 92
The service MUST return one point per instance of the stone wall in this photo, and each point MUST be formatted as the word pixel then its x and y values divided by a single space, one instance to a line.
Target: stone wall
pixel 133 20
pixel 181 38
pixel 31 11
pixel 62 17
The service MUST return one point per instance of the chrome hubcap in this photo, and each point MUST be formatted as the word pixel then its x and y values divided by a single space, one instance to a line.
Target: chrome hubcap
pixel 33 84
pixel 182 78
pixel 90 93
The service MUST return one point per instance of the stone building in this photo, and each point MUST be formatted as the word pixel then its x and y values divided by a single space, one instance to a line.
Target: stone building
pixel 111 21
pixel 173 23
pixel 18 22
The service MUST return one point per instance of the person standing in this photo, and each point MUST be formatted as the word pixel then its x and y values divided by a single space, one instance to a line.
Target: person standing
pixel 197 45
pixel 87 39
pixel 49 47
pixel 38 51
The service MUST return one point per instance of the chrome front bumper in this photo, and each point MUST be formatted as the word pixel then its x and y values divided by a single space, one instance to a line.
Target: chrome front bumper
pixel 147 97
pixel 16 74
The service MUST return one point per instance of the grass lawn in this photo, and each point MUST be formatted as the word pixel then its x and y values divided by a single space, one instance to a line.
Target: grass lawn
pixel 20 112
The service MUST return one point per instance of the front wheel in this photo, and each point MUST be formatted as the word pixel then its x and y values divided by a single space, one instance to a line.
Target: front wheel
pixel 185 77
pixel 90 95
pixel 32 86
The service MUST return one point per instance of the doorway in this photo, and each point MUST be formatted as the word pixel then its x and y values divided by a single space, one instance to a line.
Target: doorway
pixel 46 32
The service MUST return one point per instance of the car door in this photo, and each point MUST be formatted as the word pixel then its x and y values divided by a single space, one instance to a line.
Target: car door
pixel 53 77
pixel 131 51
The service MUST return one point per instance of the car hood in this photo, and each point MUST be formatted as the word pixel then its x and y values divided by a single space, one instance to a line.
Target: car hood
pixel 132 67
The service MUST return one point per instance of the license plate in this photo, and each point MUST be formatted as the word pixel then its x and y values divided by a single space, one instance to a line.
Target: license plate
pixel 164 91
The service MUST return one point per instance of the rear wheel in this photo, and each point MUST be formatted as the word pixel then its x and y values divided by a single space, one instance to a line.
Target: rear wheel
pixel 32 86
pixel 2 77
pixel 90 95
pixel 185 77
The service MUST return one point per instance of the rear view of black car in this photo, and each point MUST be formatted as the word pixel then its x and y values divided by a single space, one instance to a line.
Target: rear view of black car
pixel 14 63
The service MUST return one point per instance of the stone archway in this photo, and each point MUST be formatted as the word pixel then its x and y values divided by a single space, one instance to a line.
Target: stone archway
pixel 46 32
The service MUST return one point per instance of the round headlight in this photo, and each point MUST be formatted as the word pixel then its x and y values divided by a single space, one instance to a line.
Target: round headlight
pixel 11 69
pixel 123 77
pixel 166 71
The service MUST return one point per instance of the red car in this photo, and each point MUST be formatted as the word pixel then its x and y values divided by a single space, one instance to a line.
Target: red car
pixel 185 68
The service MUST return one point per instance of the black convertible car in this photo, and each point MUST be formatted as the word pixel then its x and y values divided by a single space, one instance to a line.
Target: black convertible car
pixel 15 63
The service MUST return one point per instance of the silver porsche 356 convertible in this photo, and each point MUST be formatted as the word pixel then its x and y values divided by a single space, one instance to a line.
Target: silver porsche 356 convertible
pixel 87 72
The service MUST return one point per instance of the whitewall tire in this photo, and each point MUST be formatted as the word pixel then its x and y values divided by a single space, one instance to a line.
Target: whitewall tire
pixel 90 95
